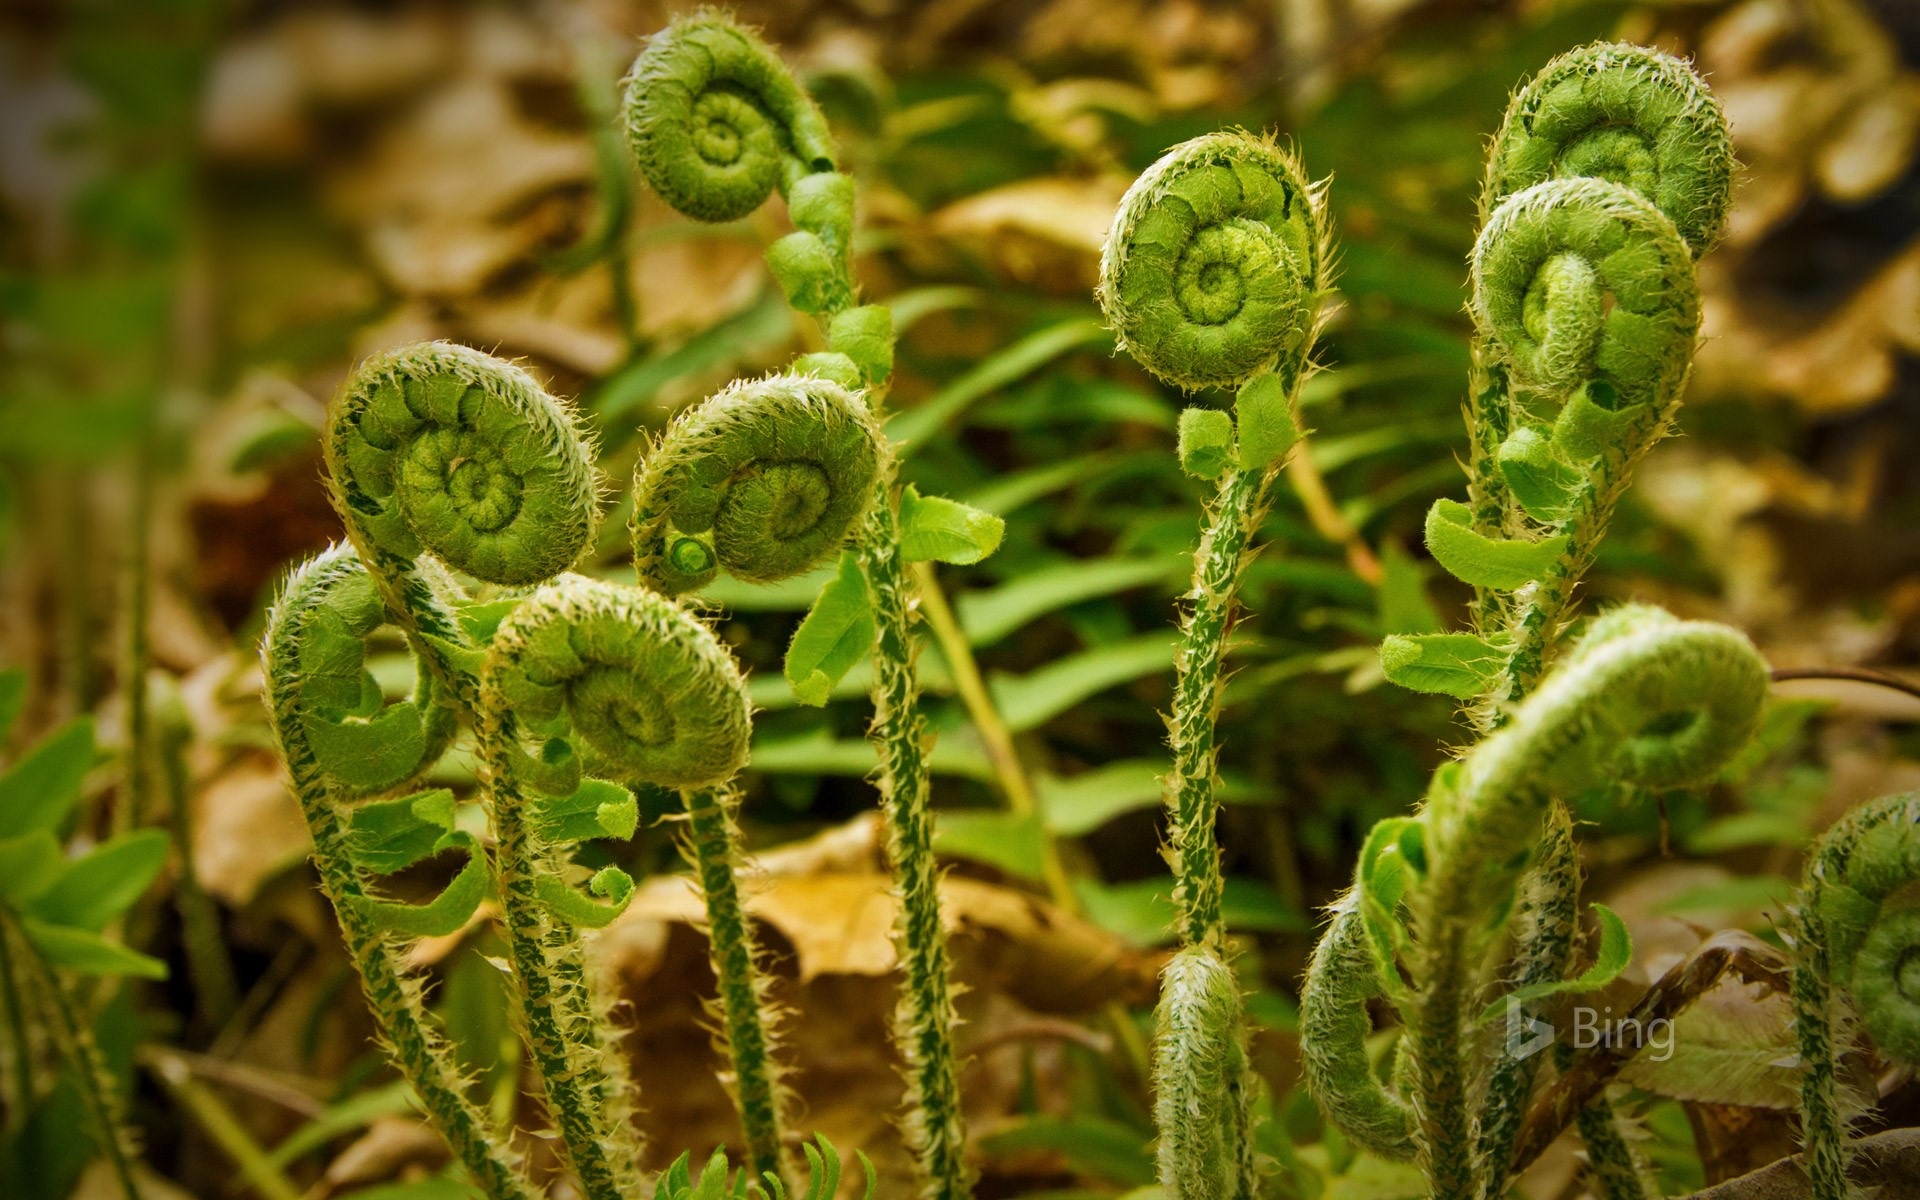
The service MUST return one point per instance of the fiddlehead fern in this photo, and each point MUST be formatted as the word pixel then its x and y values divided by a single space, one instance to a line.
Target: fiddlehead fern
pixel 715 81
pixel 614 675
pixel 1613 111
pixel 1624 113
pixel 1643 699
pixel 317 685
pixel 1213 270
pixel 1213 274
pixel 1334 1025
pixel 1856 930
pixel 1201 1081
pixel 1586 295
pixel 767 479
pixel 717 124
pixel 1589 295
pixel 440 449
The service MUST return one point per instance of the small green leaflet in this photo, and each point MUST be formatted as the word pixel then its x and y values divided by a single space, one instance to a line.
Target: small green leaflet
pixel 1394 852
pixel 1206 442
pixel 936 529
pixel 480 618
pixel 1265 422
pixel 1475 558
pixel 374 753
pixel 595 809
pixel 836 634
pixel 567 903
pixel 41 788
pixel 384 836
pixel 88 953
pixel 101 885
pixel 445 913
pixel 1539 477
pixel 1616 951
pixel 1452 664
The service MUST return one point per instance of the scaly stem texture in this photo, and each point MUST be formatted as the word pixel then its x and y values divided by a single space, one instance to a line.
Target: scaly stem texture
pixel 924 1024
pixel 717 124
pixel 334 589
pixel 1235 515
pixel 73 1033
pixel 1857 947
pixel 747 1014
pixel 626 676
pixel 1642 697
pixel 1545 922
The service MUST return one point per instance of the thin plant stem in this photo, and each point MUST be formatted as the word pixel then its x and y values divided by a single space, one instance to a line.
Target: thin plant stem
pixel 214 984
pixel 219 1123
pixel 926 1019
pixel 747 1014
pixel 22 1048
pixel 82 1052
pixel 1015 784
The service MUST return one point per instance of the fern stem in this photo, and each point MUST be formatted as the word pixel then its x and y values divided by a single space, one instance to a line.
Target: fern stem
pixel 77 1045
pixel 413 1040
pixel 22 1048
pixel 747 1014
pixel 574 1061
pixel 925 1020
pixel 1545 922
pixel 1239 506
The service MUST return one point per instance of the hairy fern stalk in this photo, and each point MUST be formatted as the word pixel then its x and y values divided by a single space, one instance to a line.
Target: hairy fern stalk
pixel 717 124
pixel 1214 274
pixel 1610 174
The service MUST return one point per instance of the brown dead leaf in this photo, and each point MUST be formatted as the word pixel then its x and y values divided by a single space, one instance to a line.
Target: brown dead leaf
pixel 448 194
pixel 389 1146
pixel 1045 233
pixel 247 829
pixel 841 923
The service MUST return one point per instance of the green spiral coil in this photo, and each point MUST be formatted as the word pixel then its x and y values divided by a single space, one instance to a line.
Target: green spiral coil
pixel 338 744
pixel 1216 261
pixel 1642 698
pixel 715 121
pixel 441 448
pixel 1624 113
pixel 768 479
pixel 1583 283
pixel 644 685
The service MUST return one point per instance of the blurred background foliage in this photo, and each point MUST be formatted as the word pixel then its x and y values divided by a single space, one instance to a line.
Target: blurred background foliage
pixel 212 210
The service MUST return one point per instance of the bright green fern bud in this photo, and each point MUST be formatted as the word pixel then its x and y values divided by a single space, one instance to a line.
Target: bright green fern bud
pixel 446 449
pixel 716 121
pixel 1627 114
pixel 778 472
pixel 1214 267
pixel 1579 280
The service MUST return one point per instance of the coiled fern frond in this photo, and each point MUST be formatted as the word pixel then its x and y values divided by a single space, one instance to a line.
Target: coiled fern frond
pixel 1627 114
pixel 1216 262
pixel 768 478
pixel 338 743
pixel 715 121
pixel 441 448
pixel 1856 931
